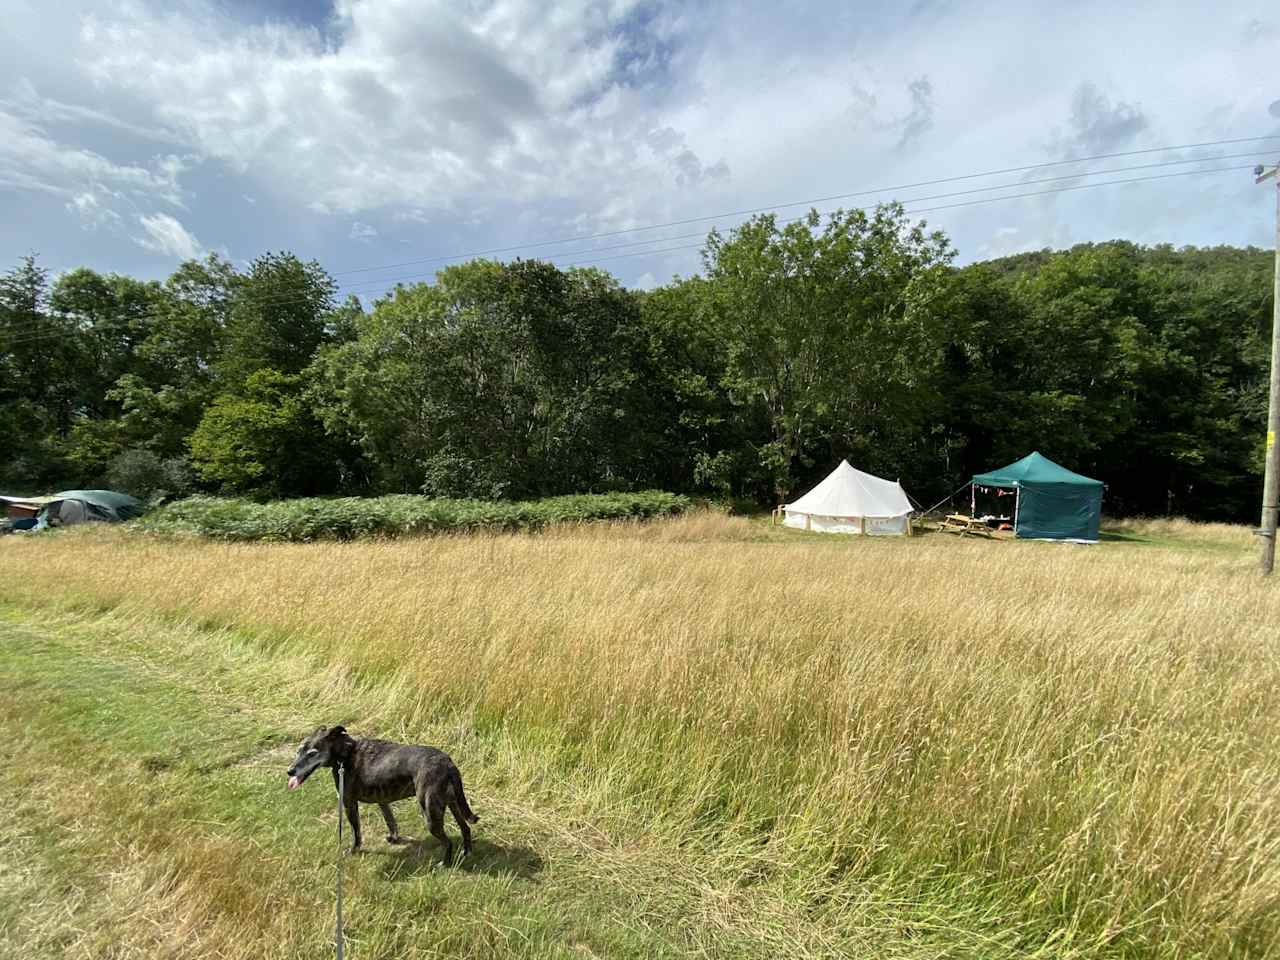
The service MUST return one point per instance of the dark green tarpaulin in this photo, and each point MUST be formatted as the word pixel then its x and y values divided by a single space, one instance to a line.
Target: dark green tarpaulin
pixel 95 505
pixel 1053 502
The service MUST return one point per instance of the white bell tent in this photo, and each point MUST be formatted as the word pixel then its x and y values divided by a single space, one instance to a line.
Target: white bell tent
pixel 850 501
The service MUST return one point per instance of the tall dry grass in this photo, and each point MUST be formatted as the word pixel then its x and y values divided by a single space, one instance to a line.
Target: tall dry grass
pixel 1084 741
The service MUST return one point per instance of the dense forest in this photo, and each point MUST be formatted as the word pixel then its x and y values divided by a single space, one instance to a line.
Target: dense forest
pixel 853 335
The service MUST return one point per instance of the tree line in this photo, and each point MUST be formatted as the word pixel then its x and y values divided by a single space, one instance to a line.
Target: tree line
pixel 852 335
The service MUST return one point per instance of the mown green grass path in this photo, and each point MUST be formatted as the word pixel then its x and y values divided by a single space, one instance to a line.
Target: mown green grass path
pixel 147 816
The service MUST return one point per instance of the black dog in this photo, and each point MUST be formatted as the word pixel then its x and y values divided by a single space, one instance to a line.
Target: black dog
pixel 381 772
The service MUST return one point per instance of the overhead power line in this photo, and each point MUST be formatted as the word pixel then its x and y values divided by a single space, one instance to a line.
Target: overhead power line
pixel 796 203
pixel 36 334
pixel 664 250
pixel 384 281
pixel 967 203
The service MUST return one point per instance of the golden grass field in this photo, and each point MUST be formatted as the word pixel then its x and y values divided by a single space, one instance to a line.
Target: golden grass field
pixel 875 747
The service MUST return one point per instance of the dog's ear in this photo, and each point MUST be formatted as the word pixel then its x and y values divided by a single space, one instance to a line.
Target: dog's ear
pixel 340 742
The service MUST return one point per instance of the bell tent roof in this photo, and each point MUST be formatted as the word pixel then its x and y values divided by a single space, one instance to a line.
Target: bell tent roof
pixel 848 492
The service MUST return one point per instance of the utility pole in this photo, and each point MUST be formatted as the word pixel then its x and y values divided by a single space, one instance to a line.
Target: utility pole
pixel 1271 484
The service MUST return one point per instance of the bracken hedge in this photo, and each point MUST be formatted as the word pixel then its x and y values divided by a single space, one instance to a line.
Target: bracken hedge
pixel 348 518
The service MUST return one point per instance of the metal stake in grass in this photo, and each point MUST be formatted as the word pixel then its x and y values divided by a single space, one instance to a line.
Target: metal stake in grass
pixel 338 924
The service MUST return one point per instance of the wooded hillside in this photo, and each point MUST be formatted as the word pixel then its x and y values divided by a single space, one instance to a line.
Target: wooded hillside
pixel 849 336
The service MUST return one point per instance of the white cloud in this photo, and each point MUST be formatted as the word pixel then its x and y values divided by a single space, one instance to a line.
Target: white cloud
pixel 1004 241
pixel 28 103
pixel 507 121
pixel 412 106
pixel 362 233
pixel 91 211
pixel 413 215
pixel 31 159
pixel 165 235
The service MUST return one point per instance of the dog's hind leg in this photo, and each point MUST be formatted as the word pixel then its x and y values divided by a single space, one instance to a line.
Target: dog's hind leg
pixel 432 807
pixel 461 817
pixel 393 833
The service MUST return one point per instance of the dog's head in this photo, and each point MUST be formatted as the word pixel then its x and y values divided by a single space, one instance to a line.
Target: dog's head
pixel 324 748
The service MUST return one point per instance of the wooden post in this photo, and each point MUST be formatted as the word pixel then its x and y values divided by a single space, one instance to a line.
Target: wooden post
pixel 1271 452
pixel 862 525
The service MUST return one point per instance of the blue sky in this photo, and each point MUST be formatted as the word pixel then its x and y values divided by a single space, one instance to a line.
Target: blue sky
pixel 379 134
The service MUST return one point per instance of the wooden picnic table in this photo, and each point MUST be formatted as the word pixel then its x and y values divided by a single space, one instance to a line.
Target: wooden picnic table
pixel 963 523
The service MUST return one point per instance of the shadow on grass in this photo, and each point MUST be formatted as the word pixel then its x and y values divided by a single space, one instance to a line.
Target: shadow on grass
pixel 418 857
pixel 1112 536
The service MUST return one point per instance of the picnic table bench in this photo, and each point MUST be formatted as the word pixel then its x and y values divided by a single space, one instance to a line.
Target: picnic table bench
pixel 962 524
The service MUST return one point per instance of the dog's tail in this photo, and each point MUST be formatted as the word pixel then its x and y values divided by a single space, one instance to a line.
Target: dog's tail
pixel 455 779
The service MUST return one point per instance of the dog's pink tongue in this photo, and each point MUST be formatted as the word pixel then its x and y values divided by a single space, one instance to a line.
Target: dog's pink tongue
pixel 293 783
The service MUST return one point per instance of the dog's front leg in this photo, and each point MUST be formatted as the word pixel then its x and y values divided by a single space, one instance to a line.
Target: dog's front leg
pixel 353 816
pixel 393 833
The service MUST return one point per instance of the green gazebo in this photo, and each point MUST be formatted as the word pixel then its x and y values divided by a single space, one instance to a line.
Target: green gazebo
pixel 1051 502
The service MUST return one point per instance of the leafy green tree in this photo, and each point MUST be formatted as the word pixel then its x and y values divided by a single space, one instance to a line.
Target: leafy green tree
pixel 111 316
pixel 106 318
pixel 265 441
pixel 1199 388
pixel 500 380
pixel 1087 320
pixel 140 473
pixel 1144 366
pixel 987 347
pixel 702 440
pixel 258 433
pixel 163 398
pixel 342 325
pixel 38 389
pixel 281 310
pixel 1139 366
pixel 831 329
pixel 30 339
